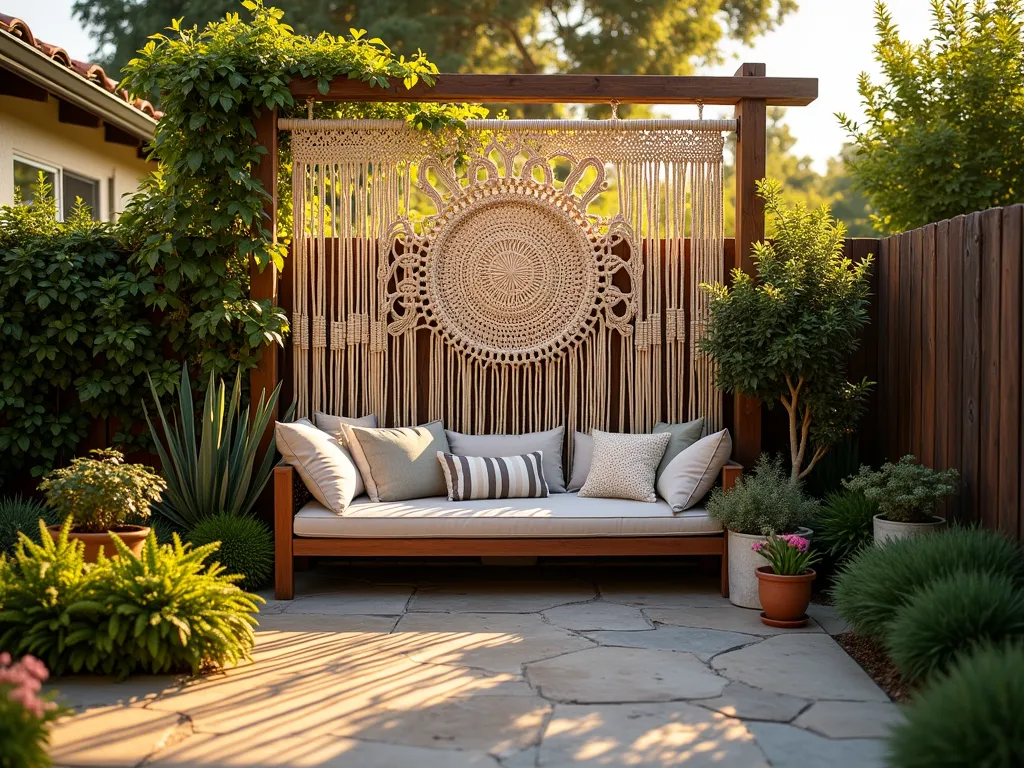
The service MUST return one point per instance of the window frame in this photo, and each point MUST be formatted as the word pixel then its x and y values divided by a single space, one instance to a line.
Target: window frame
pixel 58 172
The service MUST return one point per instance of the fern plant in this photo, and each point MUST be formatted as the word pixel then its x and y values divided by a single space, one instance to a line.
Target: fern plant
pixel 212 472
pixel 167 611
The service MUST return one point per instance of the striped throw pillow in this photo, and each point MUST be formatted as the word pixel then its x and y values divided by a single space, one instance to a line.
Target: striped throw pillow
pixel 506 477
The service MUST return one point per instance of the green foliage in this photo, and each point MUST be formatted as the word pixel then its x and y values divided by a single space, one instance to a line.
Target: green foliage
pixel 246 546
pixel 786 334
pixel 906 492
pixel 844 523
pixel 100 492
pixel 214 474
pixel 943 131
pixel 951 616
pixel 18 515
pixel 25 716
pixel 763 502
pixel 874 585
pixel 968 717
pixel 522 36
pixel 74 332
pixel 38 587
pixel 164 612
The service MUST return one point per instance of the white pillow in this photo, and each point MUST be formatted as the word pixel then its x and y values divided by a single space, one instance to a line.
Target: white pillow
pixel 690 475
pixel 582 452
pixel 322 462
pixel 500 446
pixel 624 466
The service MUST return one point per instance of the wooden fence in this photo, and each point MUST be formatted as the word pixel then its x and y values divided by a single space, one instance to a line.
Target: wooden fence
pixel 949 330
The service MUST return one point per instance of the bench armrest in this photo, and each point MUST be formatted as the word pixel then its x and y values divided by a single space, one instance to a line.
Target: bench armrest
pixel 730 474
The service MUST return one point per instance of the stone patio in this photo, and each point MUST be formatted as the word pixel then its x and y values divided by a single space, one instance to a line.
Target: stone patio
pixel 441 666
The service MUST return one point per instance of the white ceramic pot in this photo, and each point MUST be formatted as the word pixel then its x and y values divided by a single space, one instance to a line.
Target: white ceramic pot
pixel 888 530
pixel 743 562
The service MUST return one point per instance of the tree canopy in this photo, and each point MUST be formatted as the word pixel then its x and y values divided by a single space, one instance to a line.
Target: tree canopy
pixel 943 132
pixel 521 36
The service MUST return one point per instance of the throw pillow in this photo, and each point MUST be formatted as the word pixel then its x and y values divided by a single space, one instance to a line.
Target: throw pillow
pixel 401 463
pixel 582 451
pixel 691 474
pixel 624 466
pixel 490 477
pixel 683 436
pixel 495 446
pixel 338 425
pixel 322 462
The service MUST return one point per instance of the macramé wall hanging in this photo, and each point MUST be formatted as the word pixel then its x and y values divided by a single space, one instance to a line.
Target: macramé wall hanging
pixel 466 277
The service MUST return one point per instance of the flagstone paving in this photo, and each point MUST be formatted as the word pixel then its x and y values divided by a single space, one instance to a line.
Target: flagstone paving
pixel 437 666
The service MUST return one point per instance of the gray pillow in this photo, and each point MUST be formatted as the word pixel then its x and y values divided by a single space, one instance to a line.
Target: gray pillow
pixel 401 463
pixel 582 451
pixel 498 446
pixel 624 466
pixel 336 424
pixel 691 474
pixel 683 436
pixel 322 462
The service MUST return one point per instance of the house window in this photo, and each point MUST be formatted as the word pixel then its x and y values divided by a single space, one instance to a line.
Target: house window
pixel 66 186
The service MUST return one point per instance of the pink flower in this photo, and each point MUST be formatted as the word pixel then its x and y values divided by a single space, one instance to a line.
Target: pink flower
pixel 757 546
pixel 798 541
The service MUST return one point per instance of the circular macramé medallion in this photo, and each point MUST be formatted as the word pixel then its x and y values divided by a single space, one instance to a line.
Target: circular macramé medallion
pixel 513 274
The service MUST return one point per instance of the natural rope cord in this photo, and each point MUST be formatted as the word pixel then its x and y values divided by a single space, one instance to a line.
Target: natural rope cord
pixel 535 308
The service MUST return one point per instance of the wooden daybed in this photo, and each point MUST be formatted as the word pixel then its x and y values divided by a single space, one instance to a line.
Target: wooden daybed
pixel 323 534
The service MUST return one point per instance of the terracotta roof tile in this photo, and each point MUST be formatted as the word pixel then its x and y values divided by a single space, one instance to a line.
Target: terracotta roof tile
pixel 92 72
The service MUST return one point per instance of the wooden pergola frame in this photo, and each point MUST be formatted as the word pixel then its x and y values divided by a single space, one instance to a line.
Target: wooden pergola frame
pixel 749 90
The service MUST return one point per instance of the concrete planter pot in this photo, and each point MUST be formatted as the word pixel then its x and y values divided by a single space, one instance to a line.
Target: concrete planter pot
pixel 133 536
pixel 743 564
pixel 889 530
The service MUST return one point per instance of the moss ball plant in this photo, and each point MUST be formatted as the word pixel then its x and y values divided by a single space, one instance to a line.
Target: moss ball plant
pixel 246 546
pixel 970 716
pixel 874 585
pixel 18 515
pixel 766 501
pixel 954 615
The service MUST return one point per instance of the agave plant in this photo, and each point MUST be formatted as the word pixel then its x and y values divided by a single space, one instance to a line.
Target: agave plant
pixel 214 475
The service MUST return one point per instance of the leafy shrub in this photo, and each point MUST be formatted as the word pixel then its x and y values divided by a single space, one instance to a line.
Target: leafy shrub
pixel 38 587
pixel 162 612
pixel 214 475
pixel 763 502
pixel 18 515
pixel 970 716
pixel 874 585
pixel 844 523
pixel 953 615
pixel 906 492
pixel 246 546
pixel 101 493
pixel 25 716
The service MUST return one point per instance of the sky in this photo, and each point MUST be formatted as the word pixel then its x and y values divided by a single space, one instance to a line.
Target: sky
pixel 828 39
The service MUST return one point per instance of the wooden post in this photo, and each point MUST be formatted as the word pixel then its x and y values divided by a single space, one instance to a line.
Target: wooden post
pixel 263 285
pixel 751 148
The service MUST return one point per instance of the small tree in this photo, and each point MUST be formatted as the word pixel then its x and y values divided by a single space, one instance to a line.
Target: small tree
pixel 787 335
pixel 943 133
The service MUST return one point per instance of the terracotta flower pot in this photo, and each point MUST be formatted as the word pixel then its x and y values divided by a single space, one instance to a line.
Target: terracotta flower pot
pixel 133 536
pixel 784 598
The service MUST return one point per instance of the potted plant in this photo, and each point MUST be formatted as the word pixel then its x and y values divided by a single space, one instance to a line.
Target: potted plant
pixel 763 502
pixel 907 494
pixel 784 585
pixel 100 493
pixel 785 334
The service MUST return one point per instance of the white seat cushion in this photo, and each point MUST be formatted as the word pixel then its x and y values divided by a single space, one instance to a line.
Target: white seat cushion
pixel 559 516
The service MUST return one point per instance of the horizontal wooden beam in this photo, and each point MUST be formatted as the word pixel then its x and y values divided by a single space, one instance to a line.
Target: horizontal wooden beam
pixel 20 88
pixel 505 547
pixel 574 89
pixel 115 135
pixel 75 115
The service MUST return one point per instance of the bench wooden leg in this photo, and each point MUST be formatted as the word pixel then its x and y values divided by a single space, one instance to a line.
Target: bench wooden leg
pixel 284 571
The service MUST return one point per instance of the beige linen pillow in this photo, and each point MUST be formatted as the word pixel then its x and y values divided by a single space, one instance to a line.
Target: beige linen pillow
pixel 690 475
pixel 322 462
pixel 624 466
pixel 337 425
pixel 683 436
pixel 582 452
pixel 401 463
pixel 499 446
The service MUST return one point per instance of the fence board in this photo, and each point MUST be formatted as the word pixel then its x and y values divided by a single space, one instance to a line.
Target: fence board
pixel 927 391
pixel 971 362
pixel 1008 498
pixel 903 382
pixel 892 346
pixel 991 271
pixel 881 301
pixel 954 359
pixel 940 368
